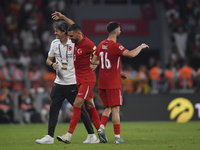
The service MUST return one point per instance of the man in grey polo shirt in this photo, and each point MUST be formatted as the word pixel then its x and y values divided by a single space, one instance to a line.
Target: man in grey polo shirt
pixel 65 83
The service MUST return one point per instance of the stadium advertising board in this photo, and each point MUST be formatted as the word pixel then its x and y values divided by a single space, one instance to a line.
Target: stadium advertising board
pixel 128 27
pixel 170 107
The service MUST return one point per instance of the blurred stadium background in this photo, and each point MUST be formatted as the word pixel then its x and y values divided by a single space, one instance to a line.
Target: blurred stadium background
pixel 163 82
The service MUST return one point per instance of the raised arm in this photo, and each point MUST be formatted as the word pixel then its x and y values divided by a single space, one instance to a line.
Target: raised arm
pixel 134 52
pixel 57 15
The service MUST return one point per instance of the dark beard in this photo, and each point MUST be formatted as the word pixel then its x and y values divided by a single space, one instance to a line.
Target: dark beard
pixel 75 41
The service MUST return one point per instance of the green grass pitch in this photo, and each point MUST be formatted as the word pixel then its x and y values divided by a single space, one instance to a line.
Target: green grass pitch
pixel 138 135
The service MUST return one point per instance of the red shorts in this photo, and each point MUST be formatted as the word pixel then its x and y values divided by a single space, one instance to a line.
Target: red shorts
pixel 111 97
pixel 85 90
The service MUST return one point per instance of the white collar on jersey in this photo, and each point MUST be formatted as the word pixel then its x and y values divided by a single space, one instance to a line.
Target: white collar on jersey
pixel 68 42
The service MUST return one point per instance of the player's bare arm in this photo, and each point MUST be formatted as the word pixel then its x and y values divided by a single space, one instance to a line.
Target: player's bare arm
pixel 57 15
pixel 135 52
pixel 95 60
pixel 50 62
pixel 123 76
pixel 93 67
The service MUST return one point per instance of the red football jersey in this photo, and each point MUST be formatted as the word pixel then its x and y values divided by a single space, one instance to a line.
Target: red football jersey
pixel 82 60
pixel 109 54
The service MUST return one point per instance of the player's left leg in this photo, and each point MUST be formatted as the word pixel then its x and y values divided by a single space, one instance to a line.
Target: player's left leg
pixel 85 92
pixel 95 119
pixel 89 103
pixel 94 116
pixel 116 124
pixel 115 101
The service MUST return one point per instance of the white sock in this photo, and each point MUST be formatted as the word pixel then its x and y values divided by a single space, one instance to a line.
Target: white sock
pixel 117 135
pixel 69 134
pixel 102 126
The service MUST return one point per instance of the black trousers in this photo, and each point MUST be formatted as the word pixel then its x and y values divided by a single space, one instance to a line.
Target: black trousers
pixel 58 95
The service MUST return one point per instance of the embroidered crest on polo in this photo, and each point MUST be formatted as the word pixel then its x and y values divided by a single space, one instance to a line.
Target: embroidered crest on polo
pixel 70 48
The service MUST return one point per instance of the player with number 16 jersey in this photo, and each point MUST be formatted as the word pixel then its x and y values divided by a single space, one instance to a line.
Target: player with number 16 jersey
pixel 109 54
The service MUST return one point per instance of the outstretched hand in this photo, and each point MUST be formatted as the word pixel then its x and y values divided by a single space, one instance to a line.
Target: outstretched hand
pixel 57 15
pixel 143 45
pixel 123 76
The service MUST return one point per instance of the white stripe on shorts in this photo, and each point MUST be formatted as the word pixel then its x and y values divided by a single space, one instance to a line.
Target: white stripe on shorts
pixel 86 92
pixel 120 96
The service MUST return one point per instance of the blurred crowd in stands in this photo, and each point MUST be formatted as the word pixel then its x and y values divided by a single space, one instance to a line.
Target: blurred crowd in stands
pixel 25 36
pixel 182 71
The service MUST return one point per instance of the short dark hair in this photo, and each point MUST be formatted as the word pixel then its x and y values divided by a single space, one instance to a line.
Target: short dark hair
pixel 61 25
pixel 111 26
pixel 74 27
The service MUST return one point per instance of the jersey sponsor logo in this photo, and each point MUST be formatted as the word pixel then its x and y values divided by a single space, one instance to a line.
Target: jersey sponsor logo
pixel 104 47
pixel 80 93
pixel 79 51
pixel 121 47
pixel 70 48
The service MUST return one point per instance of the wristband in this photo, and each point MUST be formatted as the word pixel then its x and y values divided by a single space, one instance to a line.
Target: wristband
pixel 52 64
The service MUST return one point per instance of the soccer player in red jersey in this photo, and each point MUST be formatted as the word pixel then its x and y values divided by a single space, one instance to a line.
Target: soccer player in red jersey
pixel 85 76
pixel 108 56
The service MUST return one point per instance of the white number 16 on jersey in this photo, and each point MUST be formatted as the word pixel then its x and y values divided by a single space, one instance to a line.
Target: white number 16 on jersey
pixel 106 60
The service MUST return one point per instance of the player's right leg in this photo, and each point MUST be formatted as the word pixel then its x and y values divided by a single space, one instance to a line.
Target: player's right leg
pixel 71 93
pixel 104 120
pixel 105 116
pixel 107 111
pixel 74 121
